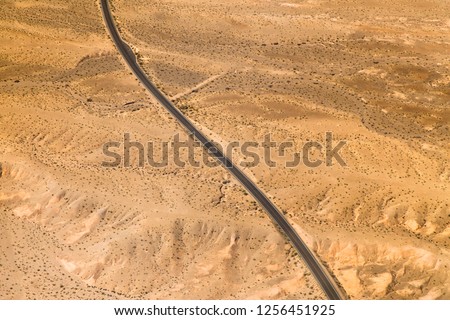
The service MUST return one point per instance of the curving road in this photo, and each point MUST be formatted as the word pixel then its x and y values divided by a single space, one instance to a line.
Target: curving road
pixel 324 279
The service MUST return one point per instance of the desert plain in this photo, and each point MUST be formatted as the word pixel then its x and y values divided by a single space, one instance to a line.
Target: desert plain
pixel 374 73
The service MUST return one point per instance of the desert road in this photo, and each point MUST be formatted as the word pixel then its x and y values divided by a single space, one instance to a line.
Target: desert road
pixel 324 279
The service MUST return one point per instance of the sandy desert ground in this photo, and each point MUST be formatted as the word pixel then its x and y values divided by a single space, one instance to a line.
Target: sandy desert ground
pixel 375 73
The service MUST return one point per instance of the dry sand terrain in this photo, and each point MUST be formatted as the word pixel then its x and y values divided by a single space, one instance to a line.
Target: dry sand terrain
pixel 375 73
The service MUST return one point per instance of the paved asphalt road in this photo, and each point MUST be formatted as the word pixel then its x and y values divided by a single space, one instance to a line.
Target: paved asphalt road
pixel 322 276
